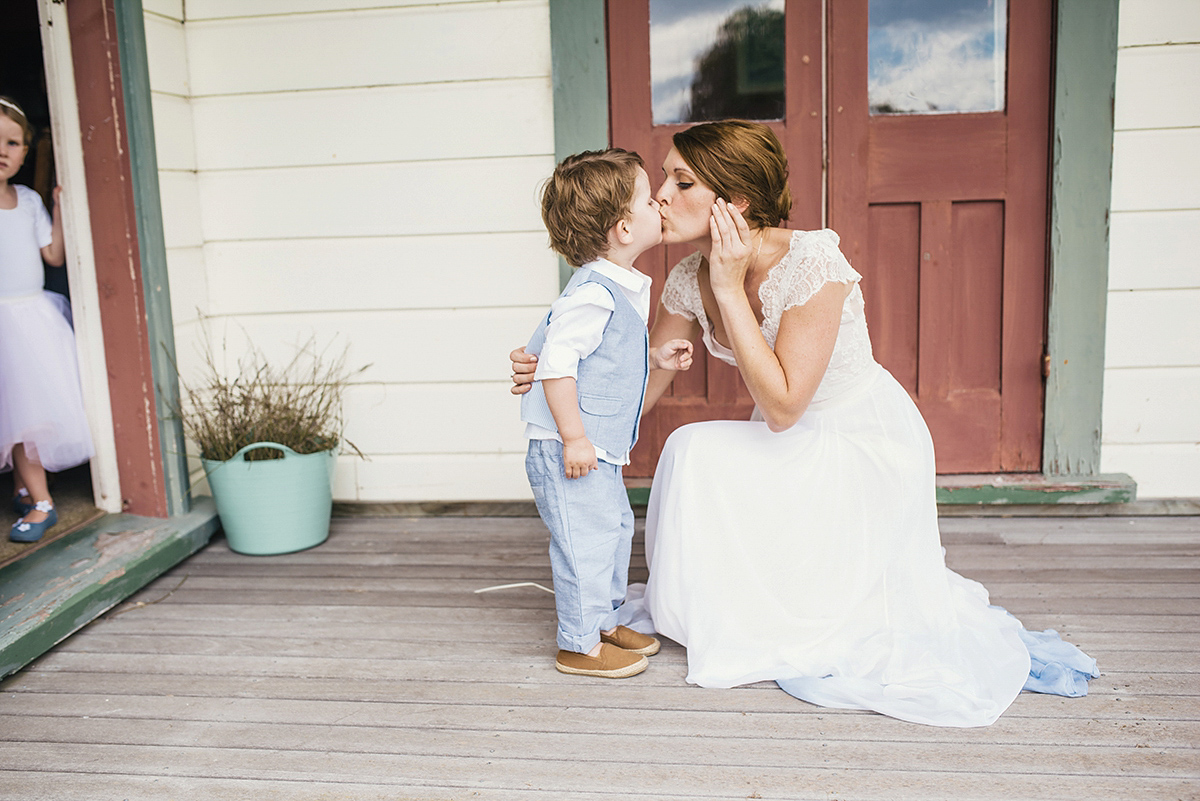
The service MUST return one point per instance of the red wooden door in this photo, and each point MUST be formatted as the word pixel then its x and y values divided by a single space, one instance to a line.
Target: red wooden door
pixel 944 214
pixel 711 390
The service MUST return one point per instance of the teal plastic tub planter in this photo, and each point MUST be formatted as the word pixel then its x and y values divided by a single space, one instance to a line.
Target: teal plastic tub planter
pixel 273 506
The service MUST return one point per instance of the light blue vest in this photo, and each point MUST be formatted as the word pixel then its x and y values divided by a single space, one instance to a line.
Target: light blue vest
pixel 611 382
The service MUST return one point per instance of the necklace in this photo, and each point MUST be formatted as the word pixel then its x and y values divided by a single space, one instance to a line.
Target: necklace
pixel 762 234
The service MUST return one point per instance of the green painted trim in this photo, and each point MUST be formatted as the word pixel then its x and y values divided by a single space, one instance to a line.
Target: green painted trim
pixel 54 592
pixel 1005 489
pixel 1081 188
pixel 638 496
pixel 143 162
pixel 579 70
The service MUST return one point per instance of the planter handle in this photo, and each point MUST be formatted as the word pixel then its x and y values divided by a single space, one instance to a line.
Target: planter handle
pixel 256 445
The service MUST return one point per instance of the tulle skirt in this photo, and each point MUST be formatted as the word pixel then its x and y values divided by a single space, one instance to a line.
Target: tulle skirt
pixel 812 557
pixel 41 404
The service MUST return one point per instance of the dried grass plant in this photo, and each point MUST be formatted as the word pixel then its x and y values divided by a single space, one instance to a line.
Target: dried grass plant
pixel 298 405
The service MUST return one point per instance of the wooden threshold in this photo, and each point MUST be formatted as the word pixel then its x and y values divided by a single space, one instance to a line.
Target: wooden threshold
pixel 64 586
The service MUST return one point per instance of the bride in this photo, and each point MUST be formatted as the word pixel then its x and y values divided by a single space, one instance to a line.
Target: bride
pixel 802 546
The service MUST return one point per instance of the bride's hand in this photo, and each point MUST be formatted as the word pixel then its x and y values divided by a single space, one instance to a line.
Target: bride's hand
pixel 732 253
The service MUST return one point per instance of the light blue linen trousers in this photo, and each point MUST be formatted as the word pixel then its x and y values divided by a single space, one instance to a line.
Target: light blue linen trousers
pixel 591 536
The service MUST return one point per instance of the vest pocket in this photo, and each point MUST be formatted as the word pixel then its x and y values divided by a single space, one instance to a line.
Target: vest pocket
pixel 600 405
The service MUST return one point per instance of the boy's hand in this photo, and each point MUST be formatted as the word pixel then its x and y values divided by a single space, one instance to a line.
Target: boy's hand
pixel 579 457
pixel 523 367
pixel 673 355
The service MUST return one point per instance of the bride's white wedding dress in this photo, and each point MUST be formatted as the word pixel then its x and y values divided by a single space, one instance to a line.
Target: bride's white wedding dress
pixel 812 557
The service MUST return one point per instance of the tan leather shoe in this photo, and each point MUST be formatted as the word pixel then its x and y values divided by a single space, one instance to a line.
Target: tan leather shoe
pixel 612 663
pixel 632 640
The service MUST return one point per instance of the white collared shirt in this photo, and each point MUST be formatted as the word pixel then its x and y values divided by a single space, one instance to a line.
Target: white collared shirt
pixel 577 323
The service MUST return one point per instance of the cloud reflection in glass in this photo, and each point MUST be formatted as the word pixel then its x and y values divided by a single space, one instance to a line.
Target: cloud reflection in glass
pixel 936 56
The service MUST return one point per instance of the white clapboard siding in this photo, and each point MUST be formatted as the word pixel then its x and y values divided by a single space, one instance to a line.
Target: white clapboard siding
pixel 443 477
pixel 397 419
pixel 1157 169
pixel 188 283
pixel 180 208
pixel 452 197
pixel 365 175
pixel 1167 470
pixel 1152 88
pixel 172 9
pixel 166 55
pixel 381 124
pixel 424 44
pixel 1152 404
pixel 1150 426
pixel 420 346
pixel 174 137
pixel 216 9
pixel 1153 328
pixel 1154 250
pixel 190 334
pixel 408 272
pixel 1150 22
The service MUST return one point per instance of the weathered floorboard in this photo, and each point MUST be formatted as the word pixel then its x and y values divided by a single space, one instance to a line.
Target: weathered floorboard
pixel 368 668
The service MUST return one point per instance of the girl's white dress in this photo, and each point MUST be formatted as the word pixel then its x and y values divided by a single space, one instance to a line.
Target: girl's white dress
pixel 41 404
pixel 812 557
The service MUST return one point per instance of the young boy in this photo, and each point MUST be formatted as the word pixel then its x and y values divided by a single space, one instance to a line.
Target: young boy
pixel 582 414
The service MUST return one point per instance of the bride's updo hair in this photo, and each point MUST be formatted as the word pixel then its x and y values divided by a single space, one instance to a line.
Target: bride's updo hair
pixel 740 160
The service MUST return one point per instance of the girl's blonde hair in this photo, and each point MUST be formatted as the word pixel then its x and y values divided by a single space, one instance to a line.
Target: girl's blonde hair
pixel 10 109
pixel 740 160
pixel 586 196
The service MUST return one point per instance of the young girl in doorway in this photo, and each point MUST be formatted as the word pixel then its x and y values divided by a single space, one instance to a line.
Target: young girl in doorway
pixel 42 422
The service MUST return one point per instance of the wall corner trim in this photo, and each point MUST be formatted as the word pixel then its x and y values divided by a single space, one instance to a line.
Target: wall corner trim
pixel 143 158
pixel 1080 196
pixel 579 72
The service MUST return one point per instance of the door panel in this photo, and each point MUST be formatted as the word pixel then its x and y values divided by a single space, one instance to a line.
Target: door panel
pixel 943 214
pixel 711 390
pixel 969 190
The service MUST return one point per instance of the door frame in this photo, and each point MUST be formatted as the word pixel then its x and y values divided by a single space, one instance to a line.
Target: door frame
pixel 81 261
pixel 97 77
pixel 1085 49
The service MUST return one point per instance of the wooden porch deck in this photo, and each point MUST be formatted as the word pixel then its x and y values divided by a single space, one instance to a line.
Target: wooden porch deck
pixel 368 668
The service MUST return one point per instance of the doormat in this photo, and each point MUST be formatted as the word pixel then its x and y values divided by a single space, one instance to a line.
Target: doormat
pixel 72 492
pixel 73 514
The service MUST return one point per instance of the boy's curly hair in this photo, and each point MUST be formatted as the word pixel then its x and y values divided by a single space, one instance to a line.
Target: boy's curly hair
pixel 586 196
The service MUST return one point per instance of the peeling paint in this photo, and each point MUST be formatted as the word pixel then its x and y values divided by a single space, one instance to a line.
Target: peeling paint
pixel 113 545
pixel 115 574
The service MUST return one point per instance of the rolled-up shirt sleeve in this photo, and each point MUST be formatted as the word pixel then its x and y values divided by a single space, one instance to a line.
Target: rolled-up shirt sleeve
pixel 577 323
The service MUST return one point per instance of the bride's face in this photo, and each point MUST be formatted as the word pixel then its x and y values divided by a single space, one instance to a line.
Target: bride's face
pixel 685 203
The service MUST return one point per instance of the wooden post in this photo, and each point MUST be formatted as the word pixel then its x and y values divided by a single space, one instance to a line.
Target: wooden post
pixel 104 132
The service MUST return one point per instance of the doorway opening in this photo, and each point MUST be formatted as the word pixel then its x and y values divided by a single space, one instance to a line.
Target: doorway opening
pixel 23 77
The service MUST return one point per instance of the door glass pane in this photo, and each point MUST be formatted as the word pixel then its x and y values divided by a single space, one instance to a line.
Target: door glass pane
pixel 713 59
pixel 936 56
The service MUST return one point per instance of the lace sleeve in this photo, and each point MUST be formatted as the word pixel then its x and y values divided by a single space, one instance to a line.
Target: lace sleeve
pixel 813 261
pixel 681 292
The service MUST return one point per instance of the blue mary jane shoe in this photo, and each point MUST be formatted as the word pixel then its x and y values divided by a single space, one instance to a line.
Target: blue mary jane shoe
pixel 32 532
pixel 21 506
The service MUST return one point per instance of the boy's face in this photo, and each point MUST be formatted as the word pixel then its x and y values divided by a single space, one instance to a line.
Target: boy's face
pixel 644 222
